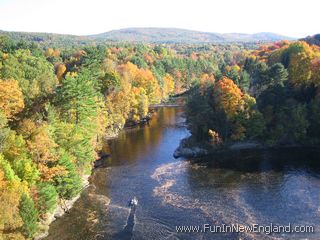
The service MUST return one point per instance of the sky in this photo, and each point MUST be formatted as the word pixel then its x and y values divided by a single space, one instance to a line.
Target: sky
pixel 294 18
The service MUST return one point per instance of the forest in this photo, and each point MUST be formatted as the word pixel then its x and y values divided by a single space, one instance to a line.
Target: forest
pixel 271 97
pixel 58 105
pixel 60 101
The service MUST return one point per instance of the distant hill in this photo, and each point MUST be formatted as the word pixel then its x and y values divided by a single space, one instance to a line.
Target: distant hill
pixel 48 39
pixel 174 35
pixel 143 35
pixel 315 39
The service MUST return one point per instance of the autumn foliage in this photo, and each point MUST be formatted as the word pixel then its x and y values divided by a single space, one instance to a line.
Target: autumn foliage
pixel 228 97
pixel 11 98
pixel 59 101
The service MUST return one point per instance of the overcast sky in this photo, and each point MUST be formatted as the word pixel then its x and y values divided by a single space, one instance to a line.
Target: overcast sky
pixel 296 18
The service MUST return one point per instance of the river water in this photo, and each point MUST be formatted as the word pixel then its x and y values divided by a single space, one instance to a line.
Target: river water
pixel 278 187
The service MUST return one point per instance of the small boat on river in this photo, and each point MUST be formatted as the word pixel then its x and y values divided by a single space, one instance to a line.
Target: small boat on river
pixel 133 202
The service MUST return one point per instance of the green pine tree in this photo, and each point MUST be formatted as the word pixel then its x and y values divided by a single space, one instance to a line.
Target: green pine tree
pixel 29 215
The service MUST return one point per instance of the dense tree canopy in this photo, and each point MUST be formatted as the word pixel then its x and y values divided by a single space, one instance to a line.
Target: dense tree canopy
pixel 59 98
pixel 277 104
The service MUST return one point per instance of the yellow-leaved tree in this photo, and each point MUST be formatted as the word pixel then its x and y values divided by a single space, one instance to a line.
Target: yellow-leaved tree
pixel 168 85
pixel 60 69
pixel 11 189
pixel 11 98
pixel 144 78
pixel 42 148
pixel 228 96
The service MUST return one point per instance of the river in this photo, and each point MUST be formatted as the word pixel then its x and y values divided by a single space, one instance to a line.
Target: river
pixel 278 187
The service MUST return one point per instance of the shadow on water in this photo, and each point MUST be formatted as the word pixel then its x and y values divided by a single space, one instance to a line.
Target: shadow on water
pixel 127 232
pixel 264 160
pixel 277 186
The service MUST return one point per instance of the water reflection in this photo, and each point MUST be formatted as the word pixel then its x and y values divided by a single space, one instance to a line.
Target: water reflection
pixel 139 142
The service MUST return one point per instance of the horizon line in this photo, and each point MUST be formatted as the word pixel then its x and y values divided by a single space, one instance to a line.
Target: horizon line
pixel 173 28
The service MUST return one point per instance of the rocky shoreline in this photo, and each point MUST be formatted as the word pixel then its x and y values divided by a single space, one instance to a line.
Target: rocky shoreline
pixel 63 207
pixel 189 148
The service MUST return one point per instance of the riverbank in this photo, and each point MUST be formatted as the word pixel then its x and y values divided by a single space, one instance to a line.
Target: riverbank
pixel 92 214
pixel 189 148
pixel 64 206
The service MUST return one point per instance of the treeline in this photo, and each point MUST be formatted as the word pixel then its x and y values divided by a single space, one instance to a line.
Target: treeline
pixel 58 104
pixel 272 97
pixel 46 40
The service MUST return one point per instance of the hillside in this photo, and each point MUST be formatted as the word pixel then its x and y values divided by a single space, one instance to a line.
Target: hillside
pixel 144 35
pixel 174 35
pixel 315 39
pixel 48 39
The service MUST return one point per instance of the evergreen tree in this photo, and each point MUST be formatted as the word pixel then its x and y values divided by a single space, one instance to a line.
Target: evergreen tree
pixel 4 130
pixel 80 101
pixel 68 185
pixel 78 98
pixel 244 81
pixel 48 198
pixel 29 215
pixel 277 75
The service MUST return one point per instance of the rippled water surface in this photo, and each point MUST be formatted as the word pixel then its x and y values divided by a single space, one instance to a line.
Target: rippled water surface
pixel 278 187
